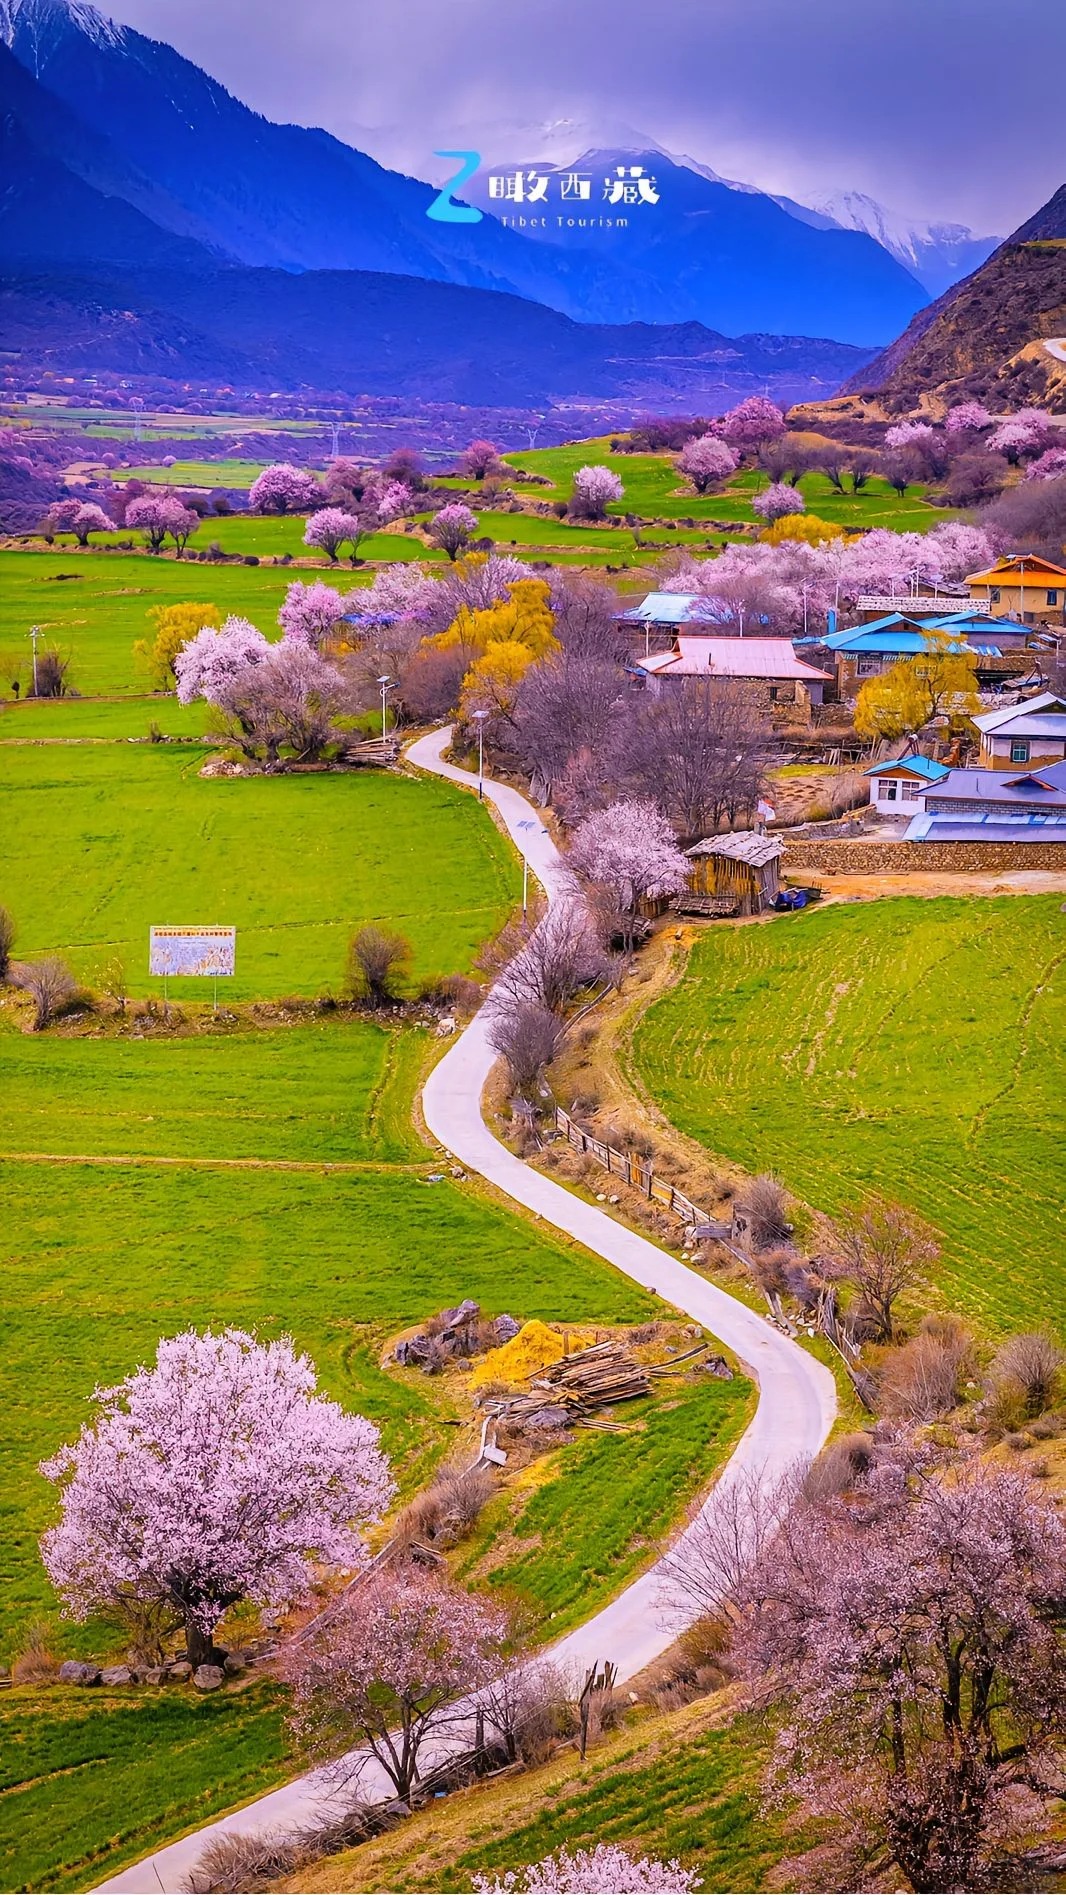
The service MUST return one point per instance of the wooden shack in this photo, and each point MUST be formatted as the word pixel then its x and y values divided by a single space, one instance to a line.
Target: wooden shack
pixel 736 874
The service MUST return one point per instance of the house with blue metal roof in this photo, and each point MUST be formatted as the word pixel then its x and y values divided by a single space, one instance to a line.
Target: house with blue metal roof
pixel 993 806
pixel 860 652
pixel 898 785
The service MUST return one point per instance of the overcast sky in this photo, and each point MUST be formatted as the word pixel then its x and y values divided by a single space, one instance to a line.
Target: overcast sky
pixel 913 101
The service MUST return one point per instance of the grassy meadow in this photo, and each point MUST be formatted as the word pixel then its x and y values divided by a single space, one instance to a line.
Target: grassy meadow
pixel 112 838
pixel 910 1047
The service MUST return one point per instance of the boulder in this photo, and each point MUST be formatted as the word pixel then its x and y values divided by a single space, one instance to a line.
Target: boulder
pixel 180 1671
pixel 154 1675
pixel 115 1674
pixel 72 1672
pixel 208 1677
pixel 234 1662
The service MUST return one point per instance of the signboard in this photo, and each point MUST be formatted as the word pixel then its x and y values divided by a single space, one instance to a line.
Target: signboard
pixel 192 951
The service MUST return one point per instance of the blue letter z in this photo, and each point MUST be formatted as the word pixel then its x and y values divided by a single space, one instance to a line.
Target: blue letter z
pixel 442 207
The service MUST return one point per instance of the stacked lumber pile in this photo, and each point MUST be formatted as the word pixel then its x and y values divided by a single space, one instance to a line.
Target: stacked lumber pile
pixel 596 1377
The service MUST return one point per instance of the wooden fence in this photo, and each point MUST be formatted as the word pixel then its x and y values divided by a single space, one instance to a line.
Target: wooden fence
pixel 632 1170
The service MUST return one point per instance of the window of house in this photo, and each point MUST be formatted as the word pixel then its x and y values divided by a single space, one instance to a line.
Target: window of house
pixel 994 595
pixel 1053 596
pixel 1019 750
pixel 910 792
pixel 868 667
pixel 889 789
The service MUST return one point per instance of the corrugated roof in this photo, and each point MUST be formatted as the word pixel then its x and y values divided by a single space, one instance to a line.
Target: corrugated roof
pixel 672 608
pixel 990 828
pixel 915 766
pixel 700 656
pixel 1043 786
pixel 1016 719
pixel 744 845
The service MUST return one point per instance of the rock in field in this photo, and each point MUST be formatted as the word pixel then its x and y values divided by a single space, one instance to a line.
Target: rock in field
pixel 208 1677
pixel 115 1674
pixel 73 1672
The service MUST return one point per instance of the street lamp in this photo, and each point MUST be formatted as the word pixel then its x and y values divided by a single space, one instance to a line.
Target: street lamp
pixel 480 717
pixel 35 633
pixel 386 687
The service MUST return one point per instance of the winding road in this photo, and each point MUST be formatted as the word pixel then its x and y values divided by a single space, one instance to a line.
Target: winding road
pixel 797 1396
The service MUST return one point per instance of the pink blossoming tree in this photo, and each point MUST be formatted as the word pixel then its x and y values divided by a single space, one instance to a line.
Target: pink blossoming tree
pixel 968 417
pixel 452 528
pixel 905 1631
pixel 752 423
pixel 333 527
pixel 213 658
pixel 911 434
pixel 290 700
pixel 387 1669
pixel 400 591
pixel 606 1869
pixel 79 517
pixel 778 500
pixel 395 499
pixel 706 460
pixel 283 488
pixel 593 490
pixel 157 515
pixel 218 1474
pixel 310 613
pixel 629 850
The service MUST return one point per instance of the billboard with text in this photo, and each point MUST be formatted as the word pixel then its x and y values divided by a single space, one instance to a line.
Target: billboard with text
pixel 192 951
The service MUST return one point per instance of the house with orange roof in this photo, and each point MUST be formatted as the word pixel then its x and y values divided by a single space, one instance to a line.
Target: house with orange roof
pixel 1024 586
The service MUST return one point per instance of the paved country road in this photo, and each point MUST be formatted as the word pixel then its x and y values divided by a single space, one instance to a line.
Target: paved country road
pixel 797 1396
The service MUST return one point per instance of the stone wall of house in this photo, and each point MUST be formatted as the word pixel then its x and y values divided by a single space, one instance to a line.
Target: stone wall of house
pixel 912 858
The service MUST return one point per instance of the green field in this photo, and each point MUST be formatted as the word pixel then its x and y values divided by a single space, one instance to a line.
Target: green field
pixel 906 1046
pixel 109 839
pixel 75 719
pixel 220 473
pixel 91 1780
pixel 339 1091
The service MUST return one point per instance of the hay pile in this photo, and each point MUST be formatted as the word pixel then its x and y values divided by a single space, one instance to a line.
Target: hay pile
pixel 534 1348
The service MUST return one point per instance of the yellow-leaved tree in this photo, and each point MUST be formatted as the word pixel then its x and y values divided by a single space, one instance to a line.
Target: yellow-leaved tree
pixel 500 644
pixel 174 626
pixel 802 526
pixel 898 703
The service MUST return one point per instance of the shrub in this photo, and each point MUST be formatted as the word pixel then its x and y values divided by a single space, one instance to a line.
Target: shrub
pixel 50 674
pixel 36 1663
pixel 839 1466
pixel 51 986
pixel 7 941
pixel 1030 1364
pixel 764 1203
pixel 244 1864
pixel 920 1380
pixel 376 961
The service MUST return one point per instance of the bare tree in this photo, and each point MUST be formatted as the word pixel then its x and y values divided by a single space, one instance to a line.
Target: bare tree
pixel 7 941
pixel 920 1381
pixel 567 707
pixel 50 673
pixel 50 985
pixel 376 961
pixel 528 1036
pixel 700 751
pixel 707 1566
pixel 558 959
pixel 527 1705
pixel 1031 1363
pixel 884 1250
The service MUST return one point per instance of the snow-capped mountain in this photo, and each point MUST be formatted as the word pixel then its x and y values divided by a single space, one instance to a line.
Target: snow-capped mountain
pixel 937 254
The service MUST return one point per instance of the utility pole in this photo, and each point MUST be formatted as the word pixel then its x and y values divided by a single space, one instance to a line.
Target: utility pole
pixel 480 717
pixel 35 633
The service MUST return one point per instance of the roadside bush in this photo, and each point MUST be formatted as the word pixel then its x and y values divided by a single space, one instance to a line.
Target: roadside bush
pixel 920 1380
pixel 456 991
pixel 244 1864
pixel 376 962
pixel 50 678
pixel 36 1663
pixel 1030 1364
pixel 7 941
pixel 838 1467
pixel 51 986
pixel 764 1202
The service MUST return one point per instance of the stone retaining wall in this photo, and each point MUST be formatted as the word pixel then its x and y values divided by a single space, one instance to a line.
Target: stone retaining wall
pixel 911 858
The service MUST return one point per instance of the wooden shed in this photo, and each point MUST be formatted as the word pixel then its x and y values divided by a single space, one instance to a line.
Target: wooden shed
pixel 734 874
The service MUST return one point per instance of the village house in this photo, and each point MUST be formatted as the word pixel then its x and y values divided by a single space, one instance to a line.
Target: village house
pixel 653 624
pixel 1025 585
pixel 769 665
pixel 898 785
pixel 736 874
pixel 991 806
pixel 859 652
pixel 1031 732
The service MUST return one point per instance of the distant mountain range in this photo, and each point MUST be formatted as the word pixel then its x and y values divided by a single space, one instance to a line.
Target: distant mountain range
pixel 985 336
pixel 199 163
pixel 937 254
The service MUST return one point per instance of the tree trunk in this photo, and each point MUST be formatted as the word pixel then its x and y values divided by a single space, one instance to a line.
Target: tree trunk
pixel 200 1648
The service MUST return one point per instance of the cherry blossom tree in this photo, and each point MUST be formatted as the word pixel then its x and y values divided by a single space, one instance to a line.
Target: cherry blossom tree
pixel 776 501
pixel 706 460
pixel 209 661
pixel 399 591
pixel 387 1668
pixel 148 515
pixel 753 422
pixel 1027 433
pixel 968 417
pixel 594 488
pixel 216 1475
pixel 395 499
pixel 908 1633
pixel 331 528
pixel 479 459
pixel 629 849
pixel 181 522
pixel 289 700
pixel 910 434
pixel 283 488
pixel 452 528
pixel 310 614
pixel 1051 465
pixel 78 517
pixel 606 1869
